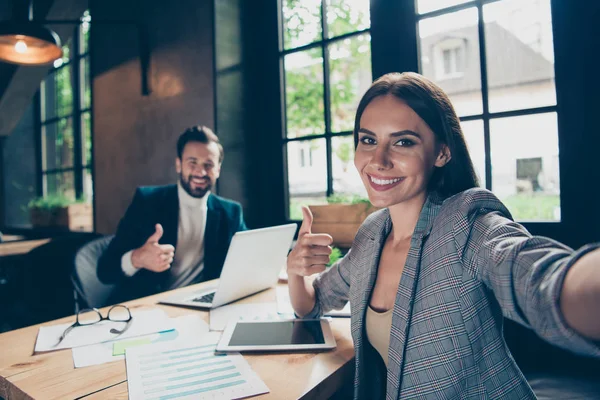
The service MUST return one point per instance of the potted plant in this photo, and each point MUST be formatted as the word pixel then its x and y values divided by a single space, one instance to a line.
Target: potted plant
pixel 60 212
pixel 341 217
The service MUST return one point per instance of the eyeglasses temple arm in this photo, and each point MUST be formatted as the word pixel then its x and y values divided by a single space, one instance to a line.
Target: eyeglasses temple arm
pixel 64 334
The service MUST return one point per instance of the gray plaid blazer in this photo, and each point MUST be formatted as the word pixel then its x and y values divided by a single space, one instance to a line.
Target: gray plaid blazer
pixel 468 265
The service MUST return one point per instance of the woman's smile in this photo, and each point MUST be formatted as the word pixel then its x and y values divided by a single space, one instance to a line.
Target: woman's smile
pixel 381 183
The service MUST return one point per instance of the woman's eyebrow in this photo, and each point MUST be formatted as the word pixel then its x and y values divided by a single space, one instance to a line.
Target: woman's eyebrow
pixel 405 132
pixel 393 134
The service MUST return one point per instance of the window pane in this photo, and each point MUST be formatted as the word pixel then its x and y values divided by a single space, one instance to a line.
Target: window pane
pixel 60 184
pixel 473 131
pixel 350 64
pixel 347 16
pixel 449 47
pixel 84 33
pixel 86 138
pixel 88 186
pixel 86 93
pixel 425 6
pixel 520 55
pixel 304 93
pixel 307 174
pixel 346 180
pixel 48 97
pixel 64 91
pixel 57 144
pixel 525 169
pixel 301 22
pixel 66 57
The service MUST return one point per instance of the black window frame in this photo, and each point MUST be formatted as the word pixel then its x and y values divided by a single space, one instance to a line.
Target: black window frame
pixel 486 116
pixel 328 134
pixel 77 58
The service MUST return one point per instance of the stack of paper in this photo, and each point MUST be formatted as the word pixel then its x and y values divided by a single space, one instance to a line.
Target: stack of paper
pixel 186 328
pixel 189 370
pixel 143 323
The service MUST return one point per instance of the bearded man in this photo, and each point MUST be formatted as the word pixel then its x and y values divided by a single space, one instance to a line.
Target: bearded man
pixel 175 235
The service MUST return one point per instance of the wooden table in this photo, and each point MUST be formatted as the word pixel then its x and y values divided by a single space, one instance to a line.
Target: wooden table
pixel 12 238
pixel 52 375
pixel 20 247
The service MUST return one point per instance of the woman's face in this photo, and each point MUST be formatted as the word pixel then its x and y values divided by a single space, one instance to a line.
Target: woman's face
pixel 396 153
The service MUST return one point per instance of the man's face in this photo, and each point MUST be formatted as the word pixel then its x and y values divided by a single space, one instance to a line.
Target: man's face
pixel 198 168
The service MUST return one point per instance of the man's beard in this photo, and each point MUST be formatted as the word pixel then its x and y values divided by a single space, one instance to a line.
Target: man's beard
pixel 198 192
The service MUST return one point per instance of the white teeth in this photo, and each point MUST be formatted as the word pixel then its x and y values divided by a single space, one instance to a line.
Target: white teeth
pixel 384 181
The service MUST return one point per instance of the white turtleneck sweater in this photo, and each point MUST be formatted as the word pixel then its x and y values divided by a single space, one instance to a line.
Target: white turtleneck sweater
pixel 188 262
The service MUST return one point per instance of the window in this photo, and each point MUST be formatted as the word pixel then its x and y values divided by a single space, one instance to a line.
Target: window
pixel 495 60
pixel 449 58
pixel 65 105
pixel 326 58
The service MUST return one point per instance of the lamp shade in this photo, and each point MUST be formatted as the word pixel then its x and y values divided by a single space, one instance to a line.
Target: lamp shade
pixel 28 43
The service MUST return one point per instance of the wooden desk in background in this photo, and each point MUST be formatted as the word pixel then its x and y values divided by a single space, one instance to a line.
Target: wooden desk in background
pixel 12 238
pixel 20 247
pixel 52 375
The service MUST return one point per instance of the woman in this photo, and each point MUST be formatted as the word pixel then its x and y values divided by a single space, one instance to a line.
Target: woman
pixel 430 276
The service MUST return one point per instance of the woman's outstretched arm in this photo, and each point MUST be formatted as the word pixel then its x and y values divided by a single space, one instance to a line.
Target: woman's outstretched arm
pixel 580 296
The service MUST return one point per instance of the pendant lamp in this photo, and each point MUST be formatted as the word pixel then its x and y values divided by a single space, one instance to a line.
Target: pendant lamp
pixel 28 43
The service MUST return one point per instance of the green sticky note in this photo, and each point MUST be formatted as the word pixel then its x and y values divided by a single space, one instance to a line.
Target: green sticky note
pixel 120 346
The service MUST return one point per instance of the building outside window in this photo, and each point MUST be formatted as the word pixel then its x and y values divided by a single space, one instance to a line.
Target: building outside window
pixel 495 60
pixel 325 53
pixel 65 122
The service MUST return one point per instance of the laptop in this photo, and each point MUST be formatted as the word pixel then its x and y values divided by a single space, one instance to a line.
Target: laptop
pixel 253 262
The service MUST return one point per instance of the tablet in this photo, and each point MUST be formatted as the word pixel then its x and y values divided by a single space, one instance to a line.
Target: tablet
pixel 278 335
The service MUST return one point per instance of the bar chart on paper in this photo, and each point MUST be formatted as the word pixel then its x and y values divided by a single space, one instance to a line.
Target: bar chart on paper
pixel 189 370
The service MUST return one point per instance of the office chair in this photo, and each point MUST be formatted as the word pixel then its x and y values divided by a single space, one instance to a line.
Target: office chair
pixel 89 291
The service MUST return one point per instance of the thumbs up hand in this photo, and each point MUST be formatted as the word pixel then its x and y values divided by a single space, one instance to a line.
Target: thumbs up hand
pixel 152 255
pixel 312 250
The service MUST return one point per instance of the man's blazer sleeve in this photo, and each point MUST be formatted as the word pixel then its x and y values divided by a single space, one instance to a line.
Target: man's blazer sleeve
pixel 241 225
pixel 128 237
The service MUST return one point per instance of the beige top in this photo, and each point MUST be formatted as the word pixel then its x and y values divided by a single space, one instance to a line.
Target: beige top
pixel 379 326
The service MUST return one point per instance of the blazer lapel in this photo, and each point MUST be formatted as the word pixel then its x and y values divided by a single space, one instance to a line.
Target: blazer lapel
pixel 405 297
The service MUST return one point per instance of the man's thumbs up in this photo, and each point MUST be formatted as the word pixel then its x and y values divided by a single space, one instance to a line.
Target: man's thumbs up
pixel 156 235
pixel 153 256
pixel 307 220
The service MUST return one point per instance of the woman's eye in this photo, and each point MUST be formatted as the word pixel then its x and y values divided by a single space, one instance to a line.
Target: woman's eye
pixel 367 140
pixel 405 143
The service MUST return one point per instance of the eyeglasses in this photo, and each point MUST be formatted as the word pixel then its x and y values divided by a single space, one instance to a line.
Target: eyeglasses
pixel 91 316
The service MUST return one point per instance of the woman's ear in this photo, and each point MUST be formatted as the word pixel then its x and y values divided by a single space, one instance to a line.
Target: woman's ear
pixel 443 156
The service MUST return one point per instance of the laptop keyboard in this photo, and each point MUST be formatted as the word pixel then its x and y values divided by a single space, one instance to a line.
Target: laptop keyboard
pixel 207 298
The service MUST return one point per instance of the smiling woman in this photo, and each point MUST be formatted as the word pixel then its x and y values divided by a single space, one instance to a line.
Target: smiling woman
pixel 430 276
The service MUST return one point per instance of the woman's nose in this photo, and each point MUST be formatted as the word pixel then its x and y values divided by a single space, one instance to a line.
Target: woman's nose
pixel 381 158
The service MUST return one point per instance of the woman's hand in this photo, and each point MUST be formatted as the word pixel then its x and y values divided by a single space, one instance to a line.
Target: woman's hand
pixel 309 256
pixel 312 250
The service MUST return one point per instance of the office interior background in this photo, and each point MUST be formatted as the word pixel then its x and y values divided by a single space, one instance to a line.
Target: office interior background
pixel 279 82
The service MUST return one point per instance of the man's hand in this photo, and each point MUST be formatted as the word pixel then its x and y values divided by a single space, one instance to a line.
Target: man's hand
pixel 312 250
pixel 153 256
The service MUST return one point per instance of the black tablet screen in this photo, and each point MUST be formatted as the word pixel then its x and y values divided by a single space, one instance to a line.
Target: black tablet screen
pixel 277 333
